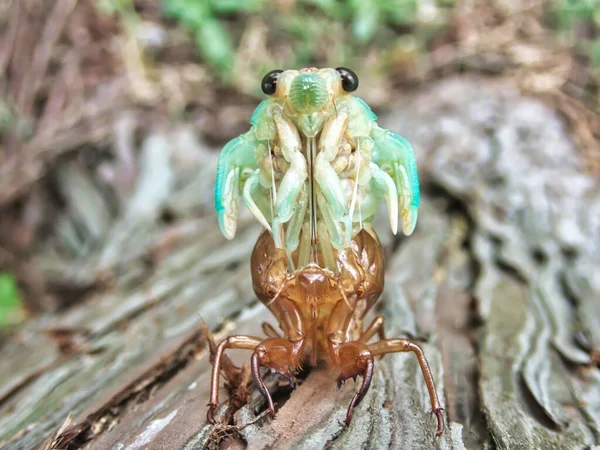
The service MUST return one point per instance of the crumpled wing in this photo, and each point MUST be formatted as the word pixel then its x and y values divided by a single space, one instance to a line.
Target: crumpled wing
pixel 395 155
pixel 237 162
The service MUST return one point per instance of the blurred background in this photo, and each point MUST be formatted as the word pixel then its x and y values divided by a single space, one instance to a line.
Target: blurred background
pixel 112 113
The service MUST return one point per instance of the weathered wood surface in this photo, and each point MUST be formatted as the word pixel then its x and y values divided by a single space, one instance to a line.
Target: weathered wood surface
pixel 499 278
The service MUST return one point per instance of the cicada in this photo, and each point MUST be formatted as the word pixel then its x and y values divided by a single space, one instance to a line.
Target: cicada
pixel 313 169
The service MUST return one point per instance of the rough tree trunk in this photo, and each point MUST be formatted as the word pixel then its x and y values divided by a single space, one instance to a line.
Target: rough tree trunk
pixel 498 279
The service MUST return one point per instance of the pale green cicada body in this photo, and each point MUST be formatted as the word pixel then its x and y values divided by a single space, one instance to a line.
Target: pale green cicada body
pixel 315 165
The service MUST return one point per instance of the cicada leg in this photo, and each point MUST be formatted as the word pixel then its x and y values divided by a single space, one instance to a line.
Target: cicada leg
pixel 293 179
pixel 356 357
pixel 269 330
pixel 279 355
pixel 236 161
pixel 376 328
pixel 353 358
pixel 326 176
pixel 386 346
pixel 395 155
pixel 383 187
pixel 234 342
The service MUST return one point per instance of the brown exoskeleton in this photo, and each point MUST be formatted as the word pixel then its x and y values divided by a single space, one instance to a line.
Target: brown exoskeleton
pixel 312 169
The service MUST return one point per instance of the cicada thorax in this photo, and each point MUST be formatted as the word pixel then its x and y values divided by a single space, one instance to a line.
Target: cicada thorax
pixel 304 300
pixel 313 229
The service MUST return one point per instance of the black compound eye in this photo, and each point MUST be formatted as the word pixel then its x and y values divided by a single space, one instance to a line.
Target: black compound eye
pixel 269 82
pixel 349 79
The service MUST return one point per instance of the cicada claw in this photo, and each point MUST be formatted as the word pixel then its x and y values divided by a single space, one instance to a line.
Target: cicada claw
pixel 395 155
pixel 383 186
pixel 367 377
pixel 253 184
pixel 291 380
pixel 440 421
pixel 210 414
pixel 236 161
pixel 355 360
pixel 259 382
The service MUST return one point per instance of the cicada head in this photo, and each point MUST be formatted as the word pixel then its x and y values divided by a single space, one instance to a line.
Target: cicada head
pixel 308 96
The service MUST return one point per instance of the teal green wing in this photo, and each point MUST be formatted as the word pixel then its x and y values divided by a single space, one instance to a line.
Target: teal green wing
pixel 395 155
pixel 237 162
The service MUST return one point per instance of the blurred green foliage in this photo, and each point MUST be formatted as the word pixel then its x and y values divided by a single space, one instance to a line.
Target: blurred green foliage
pixel 578 21
pixel 211 36
pixel 349 24
pixel 124 8
pixel 11 310
pixel 375 35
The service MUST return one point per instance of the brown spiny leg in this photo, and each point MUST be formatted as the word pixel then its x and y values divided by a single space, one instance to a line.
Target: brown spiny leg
pixel 355 359
pixel 352 357
pixel 404 345
pixel 236 342
pixel 376 328
pixel 282 355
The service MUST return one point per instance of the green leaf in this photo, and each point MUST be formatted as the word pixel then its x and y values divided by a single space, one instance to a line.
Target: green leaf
pixel 215 46
pixel 365 21
pixel 191 13
pixel 234 6
pixel 399 12
pixel 11 310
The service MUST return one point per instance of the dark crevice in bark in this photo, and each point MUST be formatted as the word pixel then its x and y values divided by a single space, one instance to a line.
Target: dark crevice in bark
pixel 477 430
pixel 539 256
pixel 581 335
pixel 567 291
pixel 283 389
pixel 479 415
pixel 510 271
pixel 335 437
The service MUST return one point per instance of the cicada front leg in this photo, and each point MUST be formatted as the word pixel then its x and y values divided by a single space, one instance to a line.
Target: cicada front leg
pixel 356 358
pixel 395 156
pixel 293 179
pixel 256 200
pixel 383 187
pixel 328 180
pixel 352 358
pixel 279 354
pixel 237 163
